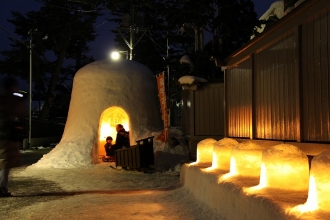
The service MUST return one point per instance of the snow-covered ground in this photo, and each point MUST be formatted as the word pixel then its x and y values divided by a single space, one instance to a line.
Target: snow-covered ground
pixel 200 190
pixel 101 192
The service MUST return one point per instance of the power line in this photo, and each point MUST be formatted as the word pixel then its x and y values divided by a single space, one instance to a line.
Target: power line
pixel 10 34
pixel 155 43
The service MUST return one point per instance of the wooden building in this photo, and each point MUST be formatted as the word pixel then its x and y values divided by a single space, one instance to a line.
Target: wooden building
pixel 277 87
pixel 200 113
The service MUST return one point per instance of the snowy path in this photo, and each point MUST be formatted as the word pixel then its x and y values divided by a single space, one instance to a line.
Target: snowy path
pixel 99 192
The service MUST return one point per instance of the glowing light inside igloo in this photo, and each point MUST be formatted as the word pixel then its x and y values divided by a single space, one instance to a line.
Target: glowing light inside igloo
pixel 319 185
pixel 284 162
pixel 107 125
pixel 245 160
pixel 205 151
pixel 222 153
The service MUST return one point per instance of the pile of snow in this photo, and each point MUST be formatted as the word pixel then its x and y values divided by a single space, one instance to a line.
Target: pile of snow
pixel 171 155
pixel 190 80
pixel 186 59
pixel 98 86
pixel 275 10
pixel 289 9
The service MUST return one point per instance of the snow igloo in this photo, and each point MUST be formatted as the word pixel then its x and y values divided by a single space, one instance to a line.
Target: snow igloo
pixel 105 93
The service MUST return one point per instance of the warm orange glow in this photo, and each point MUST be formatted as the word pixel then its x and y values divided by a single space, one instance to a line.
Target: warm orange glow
pixel 311 203
pixel 262 182
pixel 284 162
pixel 209 169
pixel 107 125
pixel 193 164
pixel 248 157
pixel 233 170
pixel 214 160
pixel 222 153
pixel 205 151
pixel 263 175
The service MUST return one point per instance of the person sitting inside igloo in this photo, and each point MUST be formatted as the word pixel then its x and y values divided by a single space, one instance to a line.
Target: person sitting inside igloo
pixel 122 138
pixel 108 145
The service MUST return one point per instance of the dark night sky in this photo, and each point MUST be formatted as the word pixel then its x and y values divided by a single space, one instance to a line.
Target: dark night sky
pixel 103 43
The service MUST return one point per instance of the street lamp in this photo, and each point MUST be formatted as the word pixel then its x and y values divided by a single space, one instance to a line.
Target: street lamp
pixel 115 55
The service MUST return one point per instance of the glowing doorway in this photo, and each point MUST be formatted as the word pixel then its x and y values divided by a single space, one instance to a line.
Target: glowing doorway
pixel 107 125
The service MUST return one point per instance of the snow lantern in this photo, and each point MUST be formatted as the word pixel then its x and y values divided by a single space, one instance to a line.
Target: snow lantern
pixel 222 153
pixel 246 159
pixel 106 93
pixel 284 166
pixel 205 151
pixel 319 184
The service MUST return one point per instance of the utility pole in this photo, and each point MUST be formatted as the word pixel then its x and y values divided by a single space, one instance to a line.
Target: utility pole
pixel 132 24
pixel 30 92
pixel 168 82
pixel 129 23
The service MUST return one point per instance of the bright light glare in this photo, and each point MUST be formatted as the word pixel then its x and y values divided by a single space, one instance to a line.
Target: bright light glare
pixel 233 170
pixel 108 120
pixel 115 55
pixel 311 203
pixel 263 174
pixel 214 161
pixel 262 182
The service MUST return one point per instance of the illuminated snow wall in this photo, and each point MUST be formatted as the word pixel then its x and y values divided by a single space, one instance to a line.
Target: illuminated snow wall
pixel 98 86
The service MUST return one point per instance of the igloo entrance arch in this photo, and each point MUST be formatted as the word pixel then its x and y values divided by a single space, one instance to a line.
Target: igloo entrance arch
pixel 107 125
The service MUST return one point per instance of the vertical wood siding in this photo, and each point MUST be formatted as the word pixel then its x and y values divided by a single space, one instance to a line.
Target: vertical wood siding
pixel 284 85
pixel 208 110
pixel 275 89
pixel 315 77
pixel 239 99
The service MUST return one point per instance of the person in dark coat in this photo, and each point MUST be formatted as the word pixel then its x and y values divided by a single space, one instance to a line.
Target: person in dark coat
pixel 122 138
pixel 107 147
pixel 12 110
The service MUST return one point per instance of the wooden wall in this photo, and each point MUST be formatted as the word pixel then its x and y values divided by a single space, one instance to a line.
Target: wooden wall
pixel 277 86
pixel 315 66
pixel 202 114
pixel 239 99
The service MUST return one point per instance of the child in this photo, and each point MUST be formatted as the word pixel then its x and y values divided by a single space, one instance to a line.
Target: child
pixel 107 146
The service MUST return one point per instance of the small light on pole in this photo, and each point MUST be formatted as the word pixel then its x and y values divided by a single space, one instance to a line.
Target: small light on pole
pixel 115 55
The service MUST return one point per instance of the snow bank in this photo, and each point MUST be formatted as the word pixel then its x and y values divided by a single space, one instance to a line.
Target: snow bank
pixel 239 197
pixel 171 155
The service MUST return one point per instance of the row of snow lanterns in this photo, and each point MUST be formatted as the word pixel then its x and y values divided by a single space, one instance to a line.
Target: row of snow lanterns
pixel 278 167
